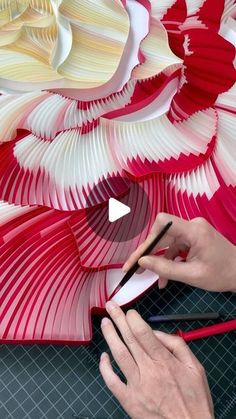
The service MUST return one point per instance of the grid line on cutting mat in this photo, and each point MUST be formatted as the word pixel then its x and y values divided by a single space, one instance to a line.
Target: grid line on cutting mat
pixel 54 382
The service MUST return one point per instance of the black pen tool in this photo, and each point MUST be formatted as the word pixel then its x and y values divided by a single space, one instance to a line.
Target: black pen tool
pixel 146 252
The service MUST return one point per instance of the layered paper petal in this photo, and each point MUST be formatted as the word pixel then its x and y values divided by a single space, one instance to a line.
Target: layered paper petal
pixel 227 100
pixel 208 70
pixel 46 296
pixel 60 173
pixel 46 114
pixel 210 190
pixel 151 98
pixel 95 249
pixel 157 53
pixel 172 20
pixel 34 51
pixel 100 31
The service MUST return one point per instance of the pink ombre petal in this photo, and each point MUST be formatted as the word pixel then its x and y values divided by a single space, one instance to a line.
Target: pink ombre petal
pixel 46 297
pixel 102 249
pixel 151 98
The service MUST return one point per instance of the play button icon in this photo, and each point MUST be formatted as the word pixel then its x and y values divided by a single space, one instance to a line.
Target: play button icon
pixel 124 214
pixel 117 210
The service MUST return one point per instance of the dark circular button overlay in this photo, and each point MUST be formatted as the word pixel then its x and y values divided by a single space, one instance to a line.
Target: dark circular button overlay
pixel 131 194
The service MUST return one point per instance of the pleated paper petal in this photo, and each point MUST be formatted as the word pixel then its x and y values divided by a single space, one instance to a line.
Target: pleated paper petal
pixel 174 17
pixel 208 70
pixel 210 190
pixel 157 53
pixel 60 173
pixel 82 41
pixel 45 295
pixel 46 114
pixel 96 250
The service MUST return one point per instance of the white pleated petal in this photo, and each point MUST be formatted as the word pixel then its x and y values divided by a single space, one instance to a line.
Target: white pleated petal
pixel 227 100
pixel 201 181
pixel 160 7
pixel 228 31
pixel 45 114
pixel 158 55
pixel 71 163
pixel 13 111
pixel 225 152
pixel 10 211
pixel 229 10
pixel 193 6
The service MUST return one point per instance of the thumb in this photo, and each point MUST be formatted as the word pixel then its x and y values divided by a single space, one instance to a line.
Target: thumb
pixel 166 268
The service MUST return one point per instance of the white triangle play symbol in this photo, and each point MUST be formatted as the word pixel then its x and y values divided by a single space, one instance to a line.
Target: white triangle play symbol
pixel 117 210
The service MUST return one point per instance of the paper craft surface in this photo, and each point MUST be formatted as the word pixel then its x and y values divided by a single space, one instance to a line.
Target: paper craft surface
pixel 100 100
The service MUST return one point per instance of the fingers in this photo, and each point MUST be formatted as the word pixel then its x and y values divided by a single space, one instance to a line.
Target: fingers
pixel 171 253
pixel 177 347
pixel 145 336
pixel 119 351
pixel 162 283
pixel 112 381
pixel 180 228
pixel 119 318
pixel 169 269
pixel 138 252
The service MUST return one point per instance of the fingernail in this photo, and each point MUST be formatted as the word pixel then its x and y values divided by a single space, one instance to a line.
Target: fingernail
pixel 144 262
pixel 160 284
pixel 105 321
pixel 103 356
pixel 110 305
pixel 124 267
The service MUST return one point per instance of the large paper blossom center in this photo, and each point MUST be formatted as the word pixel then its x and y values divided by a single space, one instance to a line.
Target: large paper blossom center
pixel 58 40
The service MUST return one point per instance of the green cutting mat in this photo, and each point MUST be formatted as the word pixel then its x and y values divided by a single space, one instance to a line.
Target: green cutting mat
pixel 52 382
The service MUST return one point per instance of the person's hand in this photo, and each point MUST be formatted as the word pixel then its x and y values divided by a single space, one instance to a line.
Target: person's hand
pixel 211 259
pixel 163 377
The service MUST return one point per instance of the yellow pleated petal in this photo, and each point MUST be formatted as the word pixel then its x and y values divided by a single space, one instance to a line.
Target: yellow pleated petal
pixel 34 18
pixel 21 67
pixel 106 15
pixel 158 55
pixel 11 10
pixel 36 42
pixel 43 6
pixel 10 33
pixel 100 31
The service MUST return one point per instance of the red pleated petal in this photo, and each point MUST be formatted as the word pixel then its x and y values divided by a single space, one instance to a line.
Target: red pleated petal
pixel 208 71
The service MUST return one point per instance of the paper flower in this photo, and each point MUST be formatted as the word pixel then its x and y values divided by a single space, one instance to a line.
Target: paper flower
pixel 91 90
